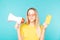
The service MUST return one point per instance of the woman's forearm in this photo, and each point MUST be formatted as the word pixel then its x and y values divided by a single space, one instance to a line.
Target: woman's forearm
pixel 18 33
pixel 43 31
pixel 42 34
pixel 47 21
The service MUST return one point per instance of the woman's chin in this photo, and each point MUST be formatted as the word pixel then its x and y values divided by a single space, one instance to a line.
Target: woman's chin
pixel 31 20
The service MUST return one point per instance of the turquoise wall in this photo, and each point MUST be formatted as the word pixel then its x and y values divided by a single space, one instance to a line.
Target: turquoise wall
pixel 20 7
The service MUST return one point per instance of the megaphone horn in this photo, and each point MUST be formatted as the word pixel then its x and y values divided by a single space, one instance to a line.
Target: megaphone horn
pixel 11 17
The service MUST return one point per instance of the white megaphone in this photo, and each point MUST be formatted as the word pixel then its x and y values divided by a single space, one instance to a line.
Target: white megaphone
pixel 11 17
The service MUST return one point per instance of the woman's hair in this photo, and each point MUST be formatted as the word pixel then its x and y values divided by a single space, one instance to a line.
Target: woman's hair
pixel 37 19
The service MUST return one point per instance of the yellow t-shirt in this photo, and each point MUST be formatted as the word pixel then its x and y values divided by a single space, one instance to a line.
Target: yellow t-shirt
pixel 28 32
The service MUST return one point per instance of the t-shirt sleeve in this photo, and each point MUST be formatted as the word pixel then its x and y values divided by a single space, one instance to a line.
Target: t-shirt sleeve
pixel 22 30
pixel 41 27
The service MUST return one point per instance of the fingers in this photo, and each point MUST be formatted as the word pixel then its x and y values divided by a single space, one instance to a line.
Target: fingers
pixel 22 21
pixel 17 26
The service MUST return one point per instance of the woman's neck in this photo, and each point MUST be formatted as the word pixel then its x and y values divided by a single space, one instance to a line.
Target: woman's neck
pixel 31 24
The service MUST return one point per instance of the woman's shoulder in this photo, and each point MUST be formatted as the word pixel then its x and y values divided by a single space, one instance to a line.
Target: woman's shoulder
pixel 23 25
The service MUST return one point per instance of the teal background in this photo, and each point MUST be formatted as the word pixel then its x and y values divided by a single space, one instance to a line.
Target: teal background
pixel 20 7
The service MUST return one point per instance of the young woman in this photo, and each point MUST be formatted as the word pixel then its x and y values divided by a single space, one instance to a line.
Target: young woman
pixel 31 30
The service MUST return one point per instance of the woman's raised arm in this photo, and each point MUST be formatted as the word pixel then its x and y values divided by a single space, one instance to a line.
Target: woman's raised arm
pixel 17 27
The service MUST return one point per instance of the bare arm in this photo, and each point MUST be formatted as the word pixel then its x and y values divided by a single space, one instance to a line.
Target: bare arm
pixel 43 31
pixel 18 31
pixel 17 27
pixel 42 35
pixel 46 23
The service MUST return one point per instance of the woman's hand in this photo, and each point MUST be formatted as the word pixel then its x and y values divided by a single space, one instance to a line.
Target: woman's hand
pixel 47 21
pixel 17 27
pixel 45 26
pixel 18 24
pixel 22 21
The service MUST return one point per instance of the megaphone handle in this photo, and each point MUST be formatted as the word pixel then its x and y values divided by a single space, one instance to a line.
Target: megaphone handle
pixel 17 26
pixel 21 20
